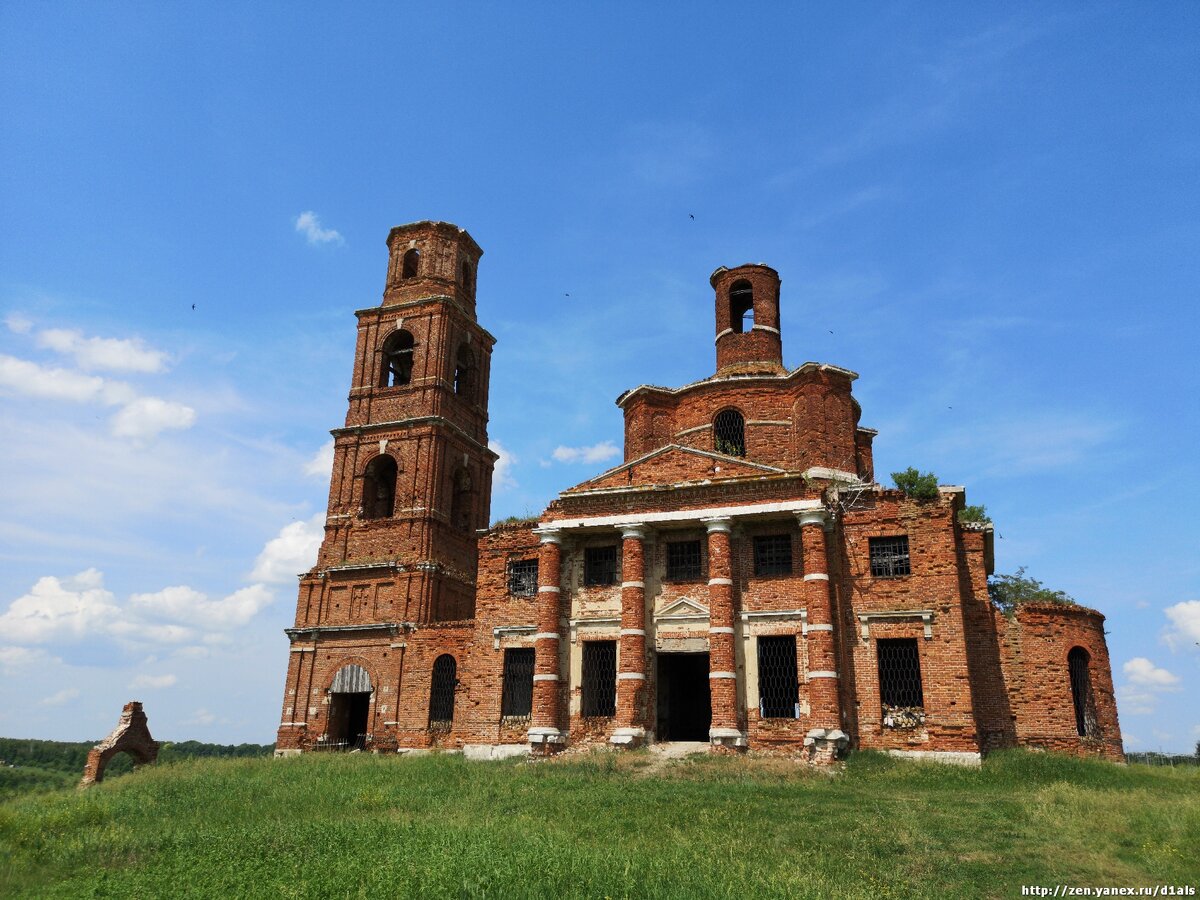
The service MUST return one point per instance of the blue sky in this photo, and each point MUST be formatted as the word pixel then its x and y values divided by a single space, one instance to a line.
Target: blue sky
pixel 990 214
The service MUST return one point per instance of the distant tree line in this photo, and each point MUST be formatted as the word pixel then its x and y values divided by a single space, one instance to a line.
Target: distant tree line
pixel 69 756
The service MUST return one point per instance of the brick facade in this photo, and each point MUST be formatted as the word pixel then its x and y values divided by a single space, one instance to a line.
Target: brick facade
pixel 739 579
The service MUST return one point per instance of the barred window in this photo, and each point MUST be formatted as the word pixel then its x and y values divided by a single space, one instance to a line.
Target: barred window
pixel 600 565
pixel 516 697
pixel 1081 693
pixel 729 433
pixel 683 561
pixel 889 556
pixel 441 692
pixel 900 680
pixel 523 577
pixel 778 686
pixel 773 554
pixel 600 678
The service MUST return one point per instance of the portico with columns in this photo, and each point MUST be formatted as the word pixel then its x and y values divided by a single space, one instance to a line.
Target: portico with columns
pixel 649 617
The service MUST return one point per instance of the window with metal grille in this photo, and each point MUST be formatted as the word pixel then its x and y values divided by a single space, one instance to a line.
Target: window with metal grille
pixel 683 561
pixel 523 577
pixel 900 681
pixel 441 692
pixel 1081 693
pixel 729 433
pixel 516 697
pixel 600 678
pixel 778 687
pixel 600 565
pixel 889 557
pixel 773 554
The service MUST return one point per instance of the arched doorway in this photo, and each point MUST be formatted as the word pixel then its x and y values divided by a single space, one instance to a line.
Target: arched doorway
pixel 349 709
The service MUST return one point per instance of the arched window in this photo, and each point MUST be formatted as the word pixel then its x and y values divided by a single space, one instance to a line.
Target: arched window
pixel 461 513
pixel 1078 662
pixel 441 692
pixel 412 262
pixel 463 374
pixel 397 360
pixel 466 276
pixel 379 488
pixel 741 307
pixel 729 433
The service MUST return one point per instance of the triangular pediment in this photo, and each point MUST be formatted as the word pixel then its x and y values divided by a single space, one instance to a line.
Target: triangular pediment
pixel 682 608
pixel 675 464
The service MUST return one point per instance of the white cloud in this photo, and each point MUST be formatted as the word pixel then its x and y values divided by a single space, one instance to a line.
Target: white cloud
pixel 593 454
pixel 14 659
pixel 33 380
pixel 66 695
pixel 502 478
pixel 200 717
pixel 58 609
pixel 145 417
pixel 185 604
pixel 308 223
pixel 321 464
pixel 1146 681
pixel 17 323
pixel 1135 700
pixel 80 607
pixel 139 417
pixel 1184 631
pixel 118 354
pixel 292 551
pixel 1144 673
pixel 153 682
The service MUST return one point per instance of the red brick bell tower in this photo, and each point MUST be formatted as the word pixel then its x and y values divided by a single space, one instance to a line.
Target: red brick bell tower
pixel 410 487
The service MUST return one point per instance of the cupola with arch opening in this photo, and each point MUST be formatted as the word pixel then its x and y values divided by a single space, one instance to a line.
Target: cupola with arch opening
pixel 747 320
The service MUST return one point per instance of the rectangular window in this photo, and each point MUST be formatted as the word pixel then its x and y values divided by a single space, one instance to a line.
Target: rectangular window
pixel 889 557
pixel 683 561
pixel 900 681
pixel 600 678
pixel 778 686
pixel 773 554
pixel 516 697
pixel 600 565
pixel 523 577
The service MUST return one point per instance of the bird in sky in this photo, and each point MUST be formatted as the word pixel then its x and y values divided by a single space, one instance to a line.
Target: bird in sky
pixel 193 307
pixel 690 216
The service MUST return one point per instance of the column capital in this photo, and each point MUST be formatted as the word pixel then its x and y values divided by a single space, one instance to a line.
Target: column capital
pixel 718 523
pixel 635 531
pixel 816 516
pixel 549 535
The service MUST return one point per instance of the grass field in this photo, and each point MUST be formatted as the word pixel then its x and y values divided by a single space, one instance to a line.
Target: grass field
pixel 605 825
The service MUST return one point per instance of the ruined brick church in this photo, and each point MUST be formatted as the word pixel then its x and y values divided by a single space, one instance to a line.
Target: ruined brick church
pixel 739 579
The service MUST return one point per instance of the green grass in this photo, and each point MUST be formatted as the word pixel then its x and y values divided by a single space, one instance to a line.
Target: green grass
pixel 605 825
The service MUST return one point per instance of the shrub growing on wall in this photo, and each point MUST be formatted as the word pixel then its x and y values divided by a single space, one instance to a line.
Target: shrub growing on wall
pixel 1010 591
pixel 917 485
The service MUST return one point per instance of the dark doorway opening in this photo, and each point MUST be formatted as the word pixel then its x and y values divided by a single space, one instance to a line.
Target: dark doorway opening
pixel 684 703
pixel 348 720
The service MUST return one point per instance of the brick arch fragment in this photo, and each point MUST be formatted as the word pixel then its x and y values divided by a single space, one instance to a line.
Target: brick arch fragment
pixel 132 736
